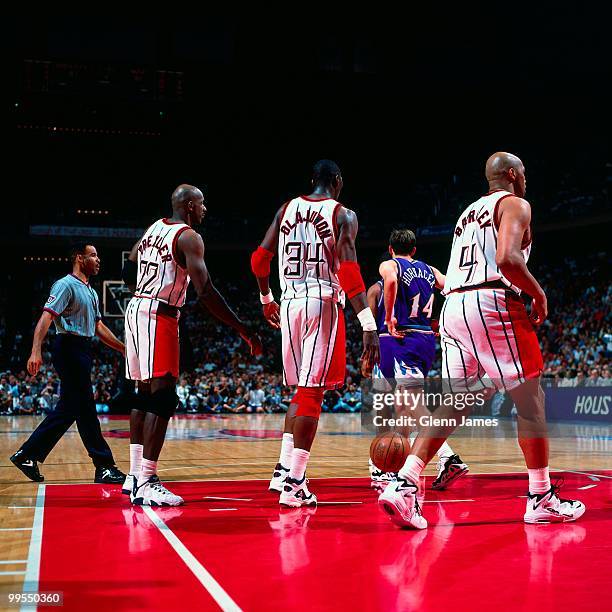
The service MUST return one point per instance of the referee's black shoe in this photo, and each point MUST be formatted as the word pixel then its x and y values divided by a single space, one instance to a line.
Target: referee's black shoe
pixel 109 475
pixel 28 466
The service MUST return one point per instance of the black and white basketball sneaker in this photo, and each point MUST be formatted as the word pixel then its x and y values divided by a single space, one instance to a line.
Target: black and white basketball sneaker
pixel 379 479
pixel 153 493
pixel 550 508
pixel 296 494
pixel 278 477
pixel 28 466
pixel 449 469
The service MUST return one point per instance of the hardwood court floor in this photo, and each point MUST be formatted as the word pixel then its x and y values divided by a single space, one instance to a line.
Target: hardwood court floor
pixel 76 531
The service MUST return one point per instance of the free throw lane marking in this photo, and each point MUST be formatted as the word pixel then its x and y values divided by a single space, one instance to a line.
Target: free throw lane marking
pixel 32 573
pixel 228 498
pixel 337 503
pixel 216 591
pixel 445 501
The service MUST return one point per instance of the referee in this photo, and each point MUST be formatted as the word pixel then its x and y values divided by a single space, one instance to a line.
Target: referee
pixel 74 308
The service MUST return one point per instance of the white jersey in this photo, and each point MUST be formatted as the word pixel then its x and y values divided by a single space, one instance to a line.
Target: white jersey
pixel 160 276
pixel 472 259
pixel 307 258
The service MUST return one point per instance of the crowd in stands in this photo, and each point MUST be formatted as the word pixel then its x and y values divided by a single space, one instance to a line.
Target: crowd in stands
pixel 220 376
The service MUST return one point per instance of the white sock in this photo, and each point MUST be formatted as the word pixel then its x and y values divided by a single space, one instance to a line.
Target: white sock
pixel 147 469
pixel 412 468
pixel 539 480
pixel 445 451
pixel 299 461
pixel 135 458
pixel 286 450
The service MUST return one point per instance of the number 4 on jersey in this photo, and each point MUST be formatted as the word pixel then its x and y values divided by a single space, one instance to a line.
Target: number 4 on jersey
pixel 468 264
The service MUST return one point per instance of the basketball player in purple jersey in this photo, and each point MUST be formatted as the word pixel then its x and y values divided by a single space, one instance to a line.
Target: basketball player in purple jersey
pixel 407 341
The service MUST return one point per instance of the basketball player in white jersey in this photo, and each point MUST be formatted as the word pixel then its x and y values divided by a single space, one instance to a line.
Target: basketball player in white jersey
pixel 486 332
pixel 169 256
pixel 315 239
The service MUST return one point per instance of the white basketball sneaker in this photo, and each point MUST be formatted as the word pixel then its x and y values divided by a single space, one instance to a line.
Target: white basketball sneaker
pixel 400 503
pixel 449 469
pixel 296 494
pixel 128 484
pixel 153 493
pixel 550 508
pixel 278 477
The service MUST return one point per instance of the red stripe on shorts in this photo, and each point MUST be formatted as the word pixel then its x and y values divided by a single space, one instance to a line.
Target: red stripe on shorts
pixel 337 367
pixel 166 348
pixel 530 354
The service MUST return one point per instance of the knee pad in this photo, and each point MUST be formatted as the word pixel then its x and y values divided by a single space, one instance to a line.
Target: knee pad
pixel 308 400
pixel 140 401
pixel 162 403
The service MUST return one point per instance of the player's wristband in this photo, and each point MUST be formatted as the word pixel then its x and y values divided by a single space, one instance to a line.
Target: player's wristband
pixel 366 318
pixel 266 299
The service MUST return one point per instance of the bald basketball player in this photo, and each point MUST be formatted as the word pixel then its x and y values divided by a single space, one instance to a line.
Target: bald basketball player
pixel 485 330
pixel 168 256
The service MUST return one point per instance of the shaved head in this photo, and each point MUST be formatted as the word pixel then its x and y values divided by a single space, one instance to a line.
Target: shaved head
pixel 183 194
pixel 499 163
pixel 506 171
pixel 188 204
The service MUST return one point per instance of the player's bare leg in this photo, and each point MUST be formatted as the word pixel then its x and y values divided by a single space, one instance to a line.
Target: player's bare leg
pixel 400 499
pixel 295 492
pixel 450 466
pixel 137 419
pixel 543 502
pixel 281 470
pixel 149 491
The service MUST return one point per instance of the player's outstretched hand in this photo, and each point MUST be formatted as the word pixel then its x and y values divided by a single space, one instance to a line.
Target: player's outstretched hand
pixel 539 309
pixel 371 352
pixel 272 313
pixel 391 326
pixel 254 342
pixel 34 363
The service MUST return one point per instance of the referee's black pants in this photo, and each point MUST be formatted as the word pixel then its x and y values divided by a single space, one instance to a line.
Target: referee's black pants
pixel 72 359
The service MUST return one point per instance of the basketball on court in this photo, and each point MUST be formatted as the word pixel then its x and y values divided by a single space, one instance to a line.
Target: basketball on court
pixel 388 451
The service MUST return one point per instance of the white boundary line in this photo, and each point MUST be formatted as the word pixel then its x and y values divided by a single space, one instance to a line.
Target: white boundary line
pixel 16 529
pixel 32 573
pixel 224 601
pixel 13 561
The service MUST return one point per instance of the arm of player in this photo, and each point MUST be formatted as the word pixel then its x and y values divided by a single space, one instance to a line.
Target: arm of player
pixel 129 273
pixel 191 245
pixel 440 278
pixel 515 217
pixel 373 296
pixel 351 282
pixel 388 271
pixel 108 338
pixel 40 333
pixel 260 265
